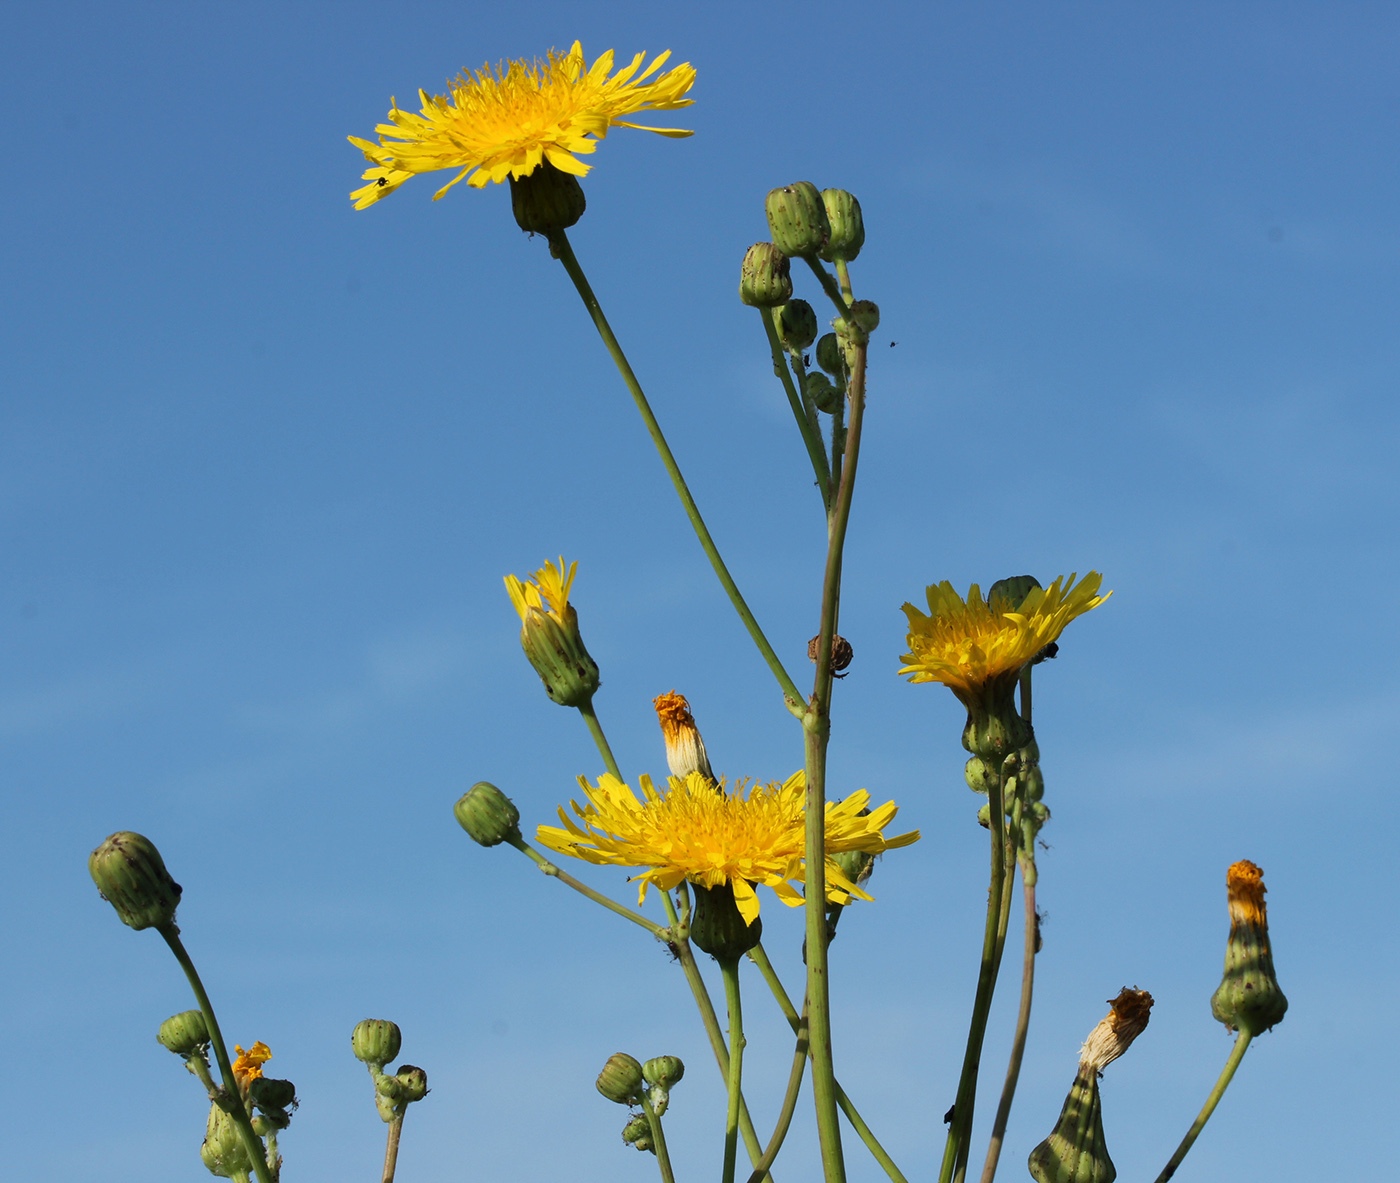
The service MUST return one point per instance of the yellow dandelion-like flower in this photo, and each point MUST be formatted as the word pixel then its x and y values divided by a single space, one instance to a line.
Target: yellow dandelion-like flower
pixel 503 123
pixel 248 1066
pixel 968 643
pixel 742 837
pixel 550 636
pixel 547 591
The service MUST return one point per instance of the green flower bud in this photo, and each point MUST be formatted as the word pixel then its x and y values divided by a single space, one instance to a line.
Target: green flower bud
pixel 1011 593
pixel 797 324
pixel 847 226
pixel 413 1083
pixel 824 395
pixel 390 1088
pixel 1075 1151
pixel 550 636
pixel 765 279
pixel 268 1093
pixel 547 200
pixel 856 865
pixel 830 355
pixel 222 1151
pixel 490 817
pixel 797 219
pixel 184 1033
pixel 621 1079
pixel 131 876
pixel 1249 998
pixel 376 1041
pixel 269 1121
pixel 637 1132
pixel 865 316
pixel 663 1070
pixel 717 927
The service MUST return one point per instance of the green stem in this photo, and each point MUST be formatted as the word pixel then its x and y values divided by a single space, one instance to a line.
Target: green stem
pixel 816 452
pixel 235 1107
pixel 656 930
pixel 658 1140
pixel 197 1064
pixel 789 1106
pixel 391 1149
pixel 596 730
pixel 1018 1043
pixel 560 247
pixel 843 274
pixel 1222 1083
pixel 729 970
pixel 955 1150
pixel 833 292
pixel 760 958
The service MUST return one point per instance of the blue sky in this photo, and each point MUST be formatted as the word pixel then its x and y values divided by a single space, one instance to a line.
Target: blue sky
pixel 264 461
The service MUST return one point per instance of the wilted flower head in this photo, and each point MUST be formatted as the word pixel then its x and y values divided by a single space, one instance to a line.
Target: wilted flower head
pixel 248 1065
pixel 1249 997
pixel 739 837
pixel 685 750
pixel 503 123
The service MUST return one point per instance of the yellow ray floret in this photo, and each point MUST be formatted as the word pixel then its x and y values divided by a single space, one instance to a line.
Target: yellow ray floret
pixel 703 833
pixel 546 591
pixel 248 1065
pixel 966 643
pixel 504 122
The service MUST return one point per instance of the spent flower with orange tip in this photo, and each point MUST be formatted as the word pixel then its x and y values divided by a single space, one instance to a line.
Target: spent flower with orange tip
pixel 1249 998
pixel 502 124
pixel 685 750
pixel 248 1065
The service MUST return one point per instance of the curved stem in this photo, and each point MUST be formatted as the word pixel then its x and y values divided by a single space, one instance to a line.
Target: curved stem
pixel 1222 1083
pixel 596 730
pixel 1018 1043
pixel 658 1140
pixel 789 1106
pixel 560 247
pixel 816 451
pixel 729 970
pixel 391 1149
pixel 834 293
pixel 843 275
pixel 235 1107
pixel 661 934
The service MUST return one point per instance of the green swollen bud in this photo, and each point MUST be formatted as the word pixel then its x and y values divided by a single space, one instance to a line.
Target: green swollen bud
pixel 865 315
pixel 1249 998
pixel 717 927
pixel 797 324
pixel 797 219
pixel 413 1083
pixel 267 1092
pixel 637 1132
pixel 856 865
pixel 390 1088
pixel 547 200
pixel 131 876
pixel 376 1041
pixel 663 1070
pixel 830 355
pixel 556 650
pixel 269 1121
pixel 184 1033
pixel 765 279
pixel 490 817
pixel 825 396
pixel 1011 592
pixel 847 227
pixel 1075 1151
pixel 621 1079
pixel 222 1151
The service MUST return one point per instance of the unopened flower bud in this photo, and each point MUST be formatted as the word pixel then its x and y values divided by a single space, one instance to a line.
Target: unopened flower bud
pixel 718 929
pixel 865 316
pixel 131 876
pixel 550 636
pixel 1007 595
pixel 269 1093
pixel 491 818
pixel 621 1079
pixel 856 865
pixel 222 1151
pixel 797 219
pixel 184 1033
pixel 685 750
pixel 376 1041
pixel 663 1070
pixel 847 227
pixel 637 1132
pixel 825 395
pixel 413 1082
pixel 1249 998
pixel 797 324
pixel 830 356
pixel 765 280
pixel 269 1121
pixel 546 200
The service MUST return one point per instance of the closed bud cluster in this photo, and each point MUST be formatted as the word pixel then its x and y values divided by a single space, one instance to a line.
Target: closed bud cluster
pixel 797 325
pixel 490 817
pixel 847 227
pixel 185 1033
pixel 547 200
pixel 621 1079
pixel 274 1099
pixel 1249 998
pixel 797 220
pixel 830 356
pixel 131 876
pixel 661 1074
pixel 765 279
pixel 637 1132
pixel 825 395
